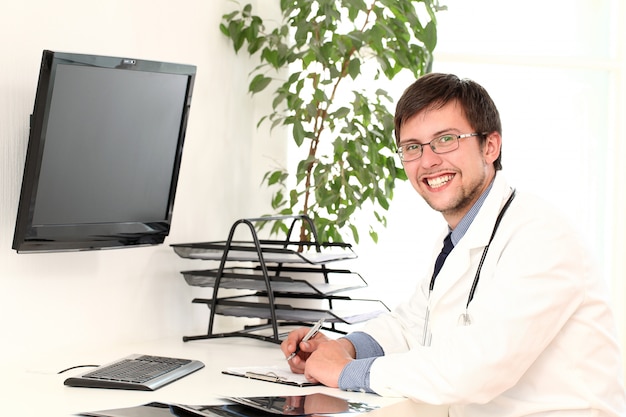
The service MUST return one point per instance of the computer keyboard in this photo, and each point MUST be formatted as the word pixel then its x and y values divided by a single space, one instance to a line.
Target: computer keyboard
pixel 136 372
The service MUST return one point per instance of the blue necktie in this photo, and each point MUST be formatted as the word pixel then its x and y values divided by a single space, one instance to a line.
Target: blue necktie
pixel 447 248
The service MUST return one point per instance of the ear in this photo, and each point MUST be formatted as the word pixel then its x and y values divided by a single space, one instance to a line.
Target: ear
pixel 492 146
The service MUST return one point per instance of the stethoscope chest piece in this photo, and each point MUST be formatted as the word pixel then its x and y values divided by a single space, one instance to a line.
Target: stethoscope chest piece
pixel 464 319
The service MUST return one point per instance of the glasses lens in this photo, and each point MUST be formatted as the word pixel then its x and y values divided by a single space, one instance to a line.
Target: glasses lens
pixel 445 144
pixel 410 152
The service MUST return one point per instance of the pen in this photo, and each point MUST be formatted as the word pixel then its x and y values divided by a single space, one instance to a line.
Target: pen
pixel 312 332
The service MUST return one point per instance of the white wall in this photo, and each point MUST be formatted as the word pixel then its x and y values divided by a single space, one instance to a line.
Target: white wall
pixel 50 301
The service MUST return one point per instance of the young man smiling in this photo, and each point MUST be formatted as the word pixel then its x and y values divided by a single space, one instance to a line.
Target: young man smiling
pixel 515 321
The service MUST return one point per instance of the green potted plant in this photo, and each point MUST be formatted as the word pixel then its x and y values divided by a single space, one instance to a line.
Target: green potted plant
pixel 325 61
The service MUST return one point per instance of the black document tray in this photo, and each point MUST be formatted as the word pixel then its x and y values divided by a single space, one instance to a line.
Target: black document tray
pixel 276 271
pixel 291 280
pixel 273 251
pixel 252 307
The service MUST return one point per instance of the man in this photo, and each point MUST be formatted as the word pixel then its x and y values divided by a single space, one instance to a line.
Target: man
pixel 516 322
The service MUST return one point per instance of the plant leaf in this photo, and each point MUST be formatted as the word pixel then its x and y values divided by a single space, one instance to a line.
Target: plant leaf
pixel 258 83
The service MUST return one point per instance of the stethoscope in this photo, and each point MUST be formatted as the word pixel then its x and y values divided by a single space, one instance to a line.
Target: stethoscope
pixel 464 318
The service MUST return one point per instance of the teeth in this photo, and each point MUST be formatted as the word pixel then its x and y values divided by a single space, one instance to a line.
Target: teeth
pixel 439 181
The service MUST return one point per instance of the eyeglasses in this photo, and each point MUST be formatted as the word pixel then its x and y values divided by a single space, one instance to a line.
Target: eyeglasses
pixel 442 144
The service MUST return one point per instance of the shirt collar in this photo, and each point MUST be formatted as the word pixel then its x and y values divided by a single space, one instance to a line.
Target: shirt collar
pixel 466 221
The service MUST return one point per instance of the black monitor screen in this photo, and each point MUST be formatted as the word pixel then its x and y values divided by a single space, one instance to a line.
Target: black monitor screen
pixel 104 153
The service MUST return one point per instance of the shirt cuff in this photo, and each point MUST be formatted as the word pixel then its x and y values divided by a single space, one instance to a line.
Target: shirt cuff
pixel 355 376
pixel 365 345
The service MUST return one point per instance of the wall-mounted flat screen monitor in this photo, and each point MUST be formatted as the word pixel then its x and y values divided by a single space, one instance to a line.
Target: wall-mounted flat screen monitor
pixel 104 152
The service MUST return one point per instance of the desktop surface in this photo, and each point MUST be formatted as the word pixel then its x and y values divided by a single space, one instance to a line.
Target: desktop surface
pixel 38 389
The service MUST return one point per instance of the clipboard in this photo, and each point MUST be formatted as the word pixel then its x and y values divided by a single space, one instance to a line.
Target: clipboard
pixel 275 374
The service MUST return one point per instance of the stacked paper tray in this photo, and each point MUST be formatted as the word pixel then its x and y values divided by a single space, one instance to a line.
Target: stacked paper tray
pixel 355 310
pixel 299 281
pixel 272 251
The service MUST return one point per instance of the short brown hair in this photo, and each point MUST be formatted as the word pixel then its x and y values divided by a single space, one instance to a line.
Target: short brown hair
pixel 435 90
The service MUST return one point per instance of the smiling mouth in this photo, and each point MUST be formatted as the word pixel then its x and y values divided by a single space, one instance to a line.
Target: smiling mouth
pixel 439 181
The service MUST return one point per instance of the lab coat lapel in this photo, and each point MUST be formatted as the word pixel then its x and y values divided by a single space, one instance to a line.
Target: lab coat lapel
pixel 458 271
pixel 455 268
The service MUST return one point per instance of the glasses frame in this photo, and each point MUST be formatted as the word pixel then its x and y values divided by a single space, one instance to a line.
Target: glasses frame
pixel 400 150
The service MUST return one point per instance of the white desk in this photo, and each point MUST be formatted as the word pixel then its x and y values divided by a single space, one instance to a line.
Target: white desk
pixel 37 389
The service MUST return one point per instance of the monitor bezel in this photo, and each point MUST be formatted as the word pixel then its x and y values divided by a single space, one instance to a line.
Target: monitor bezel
pixel 30 237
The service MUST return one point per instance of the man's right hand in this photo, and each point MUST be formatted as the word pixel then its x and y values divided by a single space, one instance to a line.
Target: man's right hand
pixel 298 363
pixel 288 346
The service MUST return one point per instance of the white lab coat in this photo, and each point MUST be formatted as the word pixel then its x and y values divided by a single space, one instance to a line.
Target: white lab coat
pixel 542 336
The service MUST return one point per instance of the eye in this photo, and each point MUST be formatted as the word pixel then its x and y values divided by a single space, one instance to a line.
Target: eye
pixel 412 147
pixel 445 139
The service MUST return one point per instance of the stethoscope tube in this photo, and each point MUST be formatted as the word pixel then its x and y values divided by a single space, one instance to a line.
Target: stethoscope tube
pixel 465 319
pixel 484 255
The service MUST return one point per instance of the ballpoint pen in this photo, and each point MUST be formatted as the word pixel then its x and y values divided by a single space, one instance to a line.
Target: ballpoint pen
pixel 312 332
